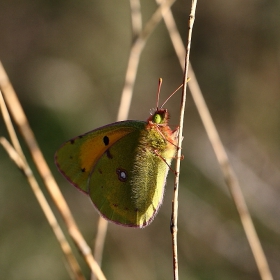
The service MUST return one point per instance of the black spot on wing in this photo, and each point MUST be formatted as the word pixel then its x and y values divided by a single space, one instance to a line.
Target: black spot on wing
pixel 83 170
pixel 72 141
pixel 106 140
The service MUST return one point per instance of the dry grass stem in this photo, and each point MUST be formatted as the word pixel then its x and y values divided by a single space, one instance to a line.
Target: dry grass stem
pixel 74 268
pixel 229 174
pixel 136 18
pixel 98 249
pixel 20 119
pixel 134 57
pixel 17 156
pixel 136 27
pixel 99 242
pixel 231 180
pixel 174 216
pixel 139 38
pixel 9 126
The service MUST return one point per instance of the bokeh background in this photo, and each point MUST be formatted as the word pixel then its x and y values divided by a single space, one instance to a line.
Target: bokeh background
pixel 67 61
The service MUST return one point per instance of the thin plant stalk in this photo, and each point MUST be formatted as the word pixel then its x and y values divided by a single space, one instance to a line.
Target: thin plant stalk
pixel 139 38
pixel 228 172
pixel 134 58
pixel 231 181
pixel 136 18
pixel 174 216
pixel 20 119
pixel 16 154
pixel 74 268
pixel 99 242
pixel 136 27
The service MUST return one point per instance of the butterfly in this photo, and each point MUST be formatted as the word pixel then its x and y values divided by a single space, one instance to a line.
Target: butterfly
pixel 122 166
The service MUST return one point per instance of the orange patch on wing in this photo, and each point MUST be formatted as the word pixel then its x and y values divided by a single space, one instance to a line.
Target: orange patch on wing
pixel 93 148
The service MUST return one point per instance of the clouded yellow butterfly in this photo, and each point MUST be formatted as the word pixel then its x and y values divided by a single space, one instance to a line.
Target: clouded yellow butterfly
pixel 122 167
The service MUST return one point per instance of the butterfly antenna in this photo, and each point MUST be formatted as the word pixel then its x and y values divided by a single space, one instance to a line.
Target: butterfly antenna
pixel 158 92
pixel 171 95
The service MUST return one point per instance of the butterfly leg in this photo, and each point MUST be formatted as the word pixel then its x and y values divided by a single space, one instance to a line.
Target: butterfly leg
pixel 162 158
pixel 181 157
pixel 169 141
pixel 176 130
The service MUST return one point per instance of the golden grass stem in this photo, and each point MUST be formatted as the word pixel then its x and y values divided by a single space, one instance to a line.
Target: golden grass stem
pixel 16 154
pixel 134 58
pixel 228 172
pixel 21 121
pixel 174 217
pixel 139 38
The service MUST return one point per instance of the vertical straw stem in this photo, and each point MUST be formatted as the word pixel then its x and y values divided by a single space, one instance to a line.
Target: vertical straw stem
pixel 139 39
pixel 174 218
pixel 228 172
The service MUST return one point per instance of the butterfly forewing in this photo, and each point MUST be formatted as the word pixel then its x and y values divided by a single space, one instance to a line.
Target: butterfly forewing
pixel 77 157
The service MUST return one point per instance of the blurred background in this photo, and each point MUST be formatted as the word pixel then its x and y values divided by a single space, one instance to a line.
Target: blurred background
pixel 67 61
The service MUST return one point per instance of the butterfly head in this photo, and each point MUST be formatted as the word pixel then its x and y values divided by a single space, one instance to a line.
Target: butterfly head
pixel 159 117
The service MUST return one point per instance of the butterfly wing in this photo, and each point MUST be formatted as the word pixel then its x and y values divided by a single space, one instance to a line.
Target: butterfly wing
pixel 121 168
pixel 127 183
pixel 110 182
pixel 77 157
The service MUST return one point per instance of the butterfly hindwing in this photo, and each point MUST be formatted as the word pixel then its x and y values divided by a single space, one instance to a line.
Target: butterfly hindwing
pixel 110 182
pixel 127 184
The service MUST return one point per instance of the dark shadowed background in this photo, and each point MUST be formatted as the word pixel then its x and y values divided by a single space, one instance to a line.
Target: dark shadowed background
pixel 67 61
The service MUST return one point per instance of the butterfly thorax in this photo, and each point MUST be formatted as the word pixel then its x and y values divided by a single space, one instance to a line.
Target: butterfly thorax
pixel 159 135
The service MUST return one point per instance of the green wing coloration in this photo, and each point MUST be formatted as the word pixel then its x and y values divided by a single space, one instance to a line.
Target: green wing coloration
pixel 127 182
pixel 77 157
pixel 109 184
pixel 122 167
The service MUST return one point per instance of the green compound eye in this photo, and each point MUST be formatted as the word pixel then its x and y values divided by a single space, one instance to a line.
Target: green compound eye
pixel 157 118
